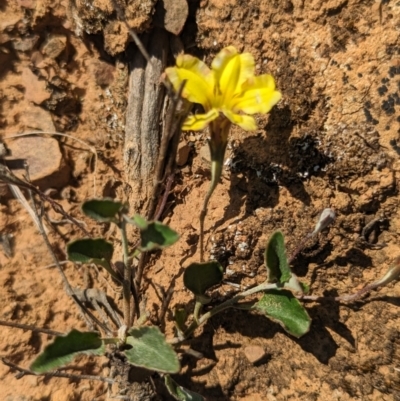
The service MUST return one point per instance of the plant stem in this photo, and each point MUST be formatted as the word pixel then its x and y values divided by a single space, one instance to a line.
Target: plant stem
pixel 227 304
pixel 299 248
pixel 128 275
pixel 197 311
pixel 203 215
pixel 341 298
pixel 217 161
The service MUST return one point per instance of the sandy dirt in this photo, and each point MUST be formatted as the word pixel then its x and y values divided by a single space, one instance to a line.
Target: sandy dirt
pixel 333 141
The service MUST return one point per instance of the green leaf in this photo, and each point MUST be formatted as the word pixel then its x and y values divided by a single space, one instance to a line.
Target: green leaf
pixel 90 250
pixel 199 277
pixel 102 210
pixel 63 350
pixel 180 317
pixel 154 235
pixel 305 287
pixel 151 351
pixel 282 307
pixel 276 260
pixel 180 393
pixel 140 222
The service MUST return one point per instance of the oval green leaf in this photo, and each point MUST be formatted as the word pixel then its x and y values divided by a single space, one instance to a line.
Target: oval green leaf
pixel 151 351
pixel 102 210
pixel 64 348
pixel 275 259
pixel 282 307
pixel 90 250
pixel 199 277
pixel 157 236
pixel 180 393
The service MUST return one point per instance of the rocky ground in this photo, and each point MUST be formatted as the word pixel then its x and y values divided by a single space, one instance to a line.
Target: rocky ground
pixel 331 142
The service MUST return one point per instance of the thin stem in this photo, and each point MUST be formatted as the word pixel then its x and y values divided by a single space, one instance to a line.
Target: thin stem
pixel 86 314
pixel 219 130
pixel 300 247
pixel 216 172
pixel 342 298
pixel 127 286
pixel 24 372
pixel 197 310
pixel 9 178
pixel 31 328
pixel 227 304
pixel 230 302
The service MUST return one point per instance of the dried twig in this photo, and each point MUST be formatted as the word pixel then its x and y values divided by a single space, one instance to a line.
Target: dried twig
pixel 9 178
pixel 31 328
pixel 57 373
pixel 84 311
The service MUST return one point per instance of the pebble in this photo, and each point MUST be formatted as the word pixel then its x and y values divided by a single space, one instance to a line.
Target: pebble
pixel 47 168
pixel 35 89
pixel 54 45
pixel 254 353
pixel 172 15
pixel 182 154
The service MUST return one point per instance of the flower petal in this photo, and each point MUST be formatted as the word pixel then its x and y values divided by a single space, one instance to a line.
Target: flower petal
pixel 246 122
pixel 197 122
pixel 199 79
pixel 259 95
pixel 231 70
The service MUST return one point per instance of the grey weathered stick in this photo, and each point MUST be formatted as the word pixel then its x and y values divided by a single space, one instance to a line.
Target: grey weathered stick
pixel 24 372
pixel 143 130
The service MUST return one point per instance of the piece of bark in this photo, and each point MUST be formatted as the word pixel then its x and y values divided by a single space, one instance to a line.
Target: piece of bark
pixel 143 117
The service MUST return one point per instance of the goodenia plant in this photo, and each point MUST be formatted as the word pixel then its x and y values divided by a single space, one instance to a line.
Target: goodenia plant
pixel 143 346
pixel 277 302
pixel 230 93
pixel 281 292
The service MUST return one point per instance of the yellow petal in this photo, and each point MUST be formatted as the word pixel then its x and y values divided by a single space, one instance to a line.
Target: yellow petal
pixel 246 122
pixel 259 95
pixel 199 79
pixel 197 122
pixel 231 70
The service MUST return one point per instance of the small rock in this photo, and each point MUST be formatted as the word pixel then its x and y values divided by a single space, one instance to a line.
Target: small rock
pixel 47 168
pixel 31 4
pixel 205 153
pixel 182 154
pixel 54 45
pixel 254 353
pixel 25 44
pixel 36 118
pixel 172 15
pixel 38 60
pixel 103 72
pixel 35 89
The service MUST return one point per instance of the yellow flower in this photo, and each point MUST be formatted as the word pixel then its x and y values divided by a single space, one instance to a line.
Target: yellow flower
pixel 230 93
pixel 225 91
